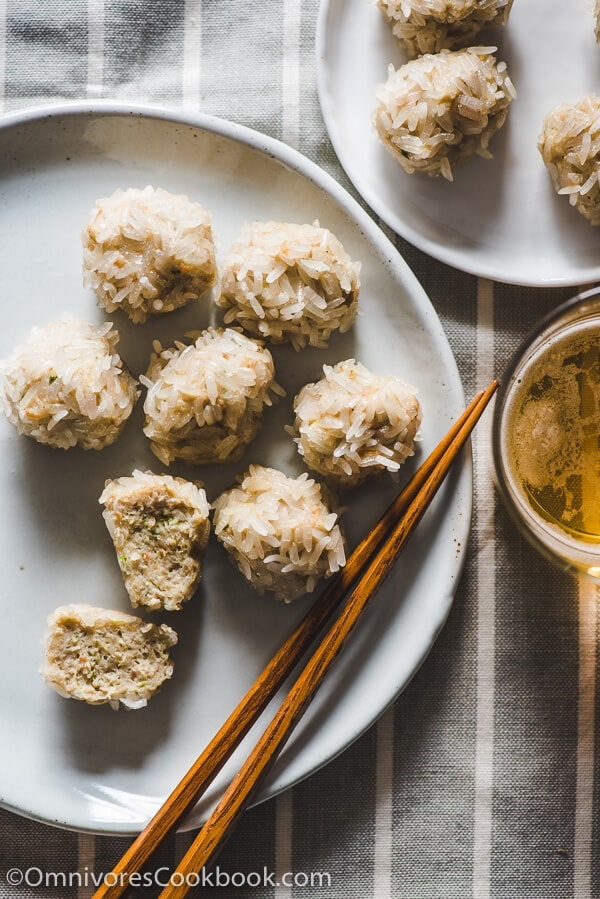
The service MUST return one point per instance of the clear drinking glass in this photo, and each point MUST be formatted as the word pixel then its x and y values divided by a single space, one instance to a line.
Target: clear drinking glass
pixel 546 436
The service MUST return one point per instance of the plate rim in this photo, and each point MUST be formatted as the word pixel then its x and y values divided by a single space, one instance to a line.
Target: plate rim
pixel 418 240
pixel 383 246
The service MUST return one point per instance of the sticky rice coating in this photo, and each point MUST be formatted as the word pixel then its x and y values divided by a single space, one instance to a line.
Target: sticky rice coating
pixel 290 283
pixel 570 147
pixel 66 386
pixel 159 527
pixel 205 400
pixel 106 656
pixel 443 108
pixel 352 423
pixel 148 252
pixel 280 532
pixel 428 26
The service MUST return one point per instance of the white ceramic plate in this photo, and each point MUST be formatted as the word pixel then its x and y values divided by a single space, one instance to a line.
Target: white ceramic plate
pixel 91 768
pixel 500 218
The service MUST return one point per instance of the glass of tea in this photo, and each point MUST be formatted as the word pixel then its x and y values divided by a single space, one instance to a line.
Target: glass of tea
pixel 546 435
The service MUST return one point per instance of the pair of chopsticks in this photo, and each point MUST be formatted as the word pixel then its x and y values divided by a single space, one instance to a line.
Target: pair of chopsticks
pixel 365 571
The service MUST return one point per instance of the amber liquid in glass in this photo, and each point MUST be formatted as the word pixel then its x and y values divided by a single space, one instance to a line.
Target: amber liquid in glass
pixel 555 434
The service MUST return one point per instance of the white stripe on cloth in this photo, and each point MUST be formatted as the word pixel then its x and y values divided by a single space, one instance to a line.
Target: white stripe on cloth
pixel 86 859
pixel 589 594
pixel 2 55
pixel 95 49
pixel 486 585
pixel 292 17
pixel 384 770
pixel 192 55
pixel 284 828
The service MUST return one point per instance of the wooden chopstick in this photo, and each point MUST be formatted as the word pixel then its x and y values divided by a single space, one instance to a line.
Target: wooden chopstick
pixel 409 503
pixel 235 799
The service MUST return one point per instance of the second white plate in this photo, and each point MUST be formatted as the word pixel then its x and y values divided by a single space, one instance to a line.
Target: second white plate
pixel 500 218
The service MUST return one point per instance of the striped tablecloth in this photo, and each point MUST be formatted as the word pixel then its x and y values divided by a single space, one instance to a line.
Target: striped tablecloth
pixel 480 781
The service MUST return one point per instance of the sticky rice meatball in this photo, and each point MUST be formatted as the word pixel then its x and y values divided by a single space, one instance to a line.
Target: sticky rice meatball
pixel 159 527
pixel 290 283
pixel 570 147
pixel 66 386
pixel 352 423
pixel 105 656
pixel 280 532
pixel 441 109
pixel 428 26
pixel 205 401
pixel 148 252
